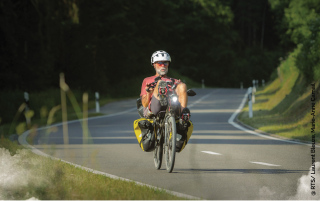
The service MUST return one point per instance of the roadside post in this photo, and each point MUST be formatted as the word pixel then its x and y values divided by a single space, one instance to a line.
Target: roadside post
pixel 257 82
pixel 254 82
pixel 97 102
pixel 203 84
pixel 26 100
pixel 250 102
pixel 263 84
pixel 241 85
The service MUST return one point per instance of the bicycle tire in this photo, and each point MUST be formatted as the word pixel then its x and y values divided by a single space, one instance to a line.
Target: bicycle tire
pixel 170 148
pixel 157 156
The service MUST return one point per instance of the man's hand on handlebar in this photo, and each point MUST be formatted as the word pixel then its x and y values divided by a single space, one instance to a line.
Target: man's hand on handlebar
pixel 150 87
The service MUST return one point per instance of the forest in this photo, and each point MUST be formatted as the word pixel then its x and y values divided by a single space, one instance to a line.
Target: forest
pixel 106 45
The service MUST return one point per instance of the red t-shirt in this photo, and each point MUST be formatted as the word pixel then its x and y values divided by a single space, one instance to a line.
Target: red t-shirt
pixel 150 80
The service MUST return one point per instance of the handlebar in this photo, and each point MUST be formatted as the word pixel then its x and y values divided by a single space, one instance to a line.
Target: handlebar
pixel 153 84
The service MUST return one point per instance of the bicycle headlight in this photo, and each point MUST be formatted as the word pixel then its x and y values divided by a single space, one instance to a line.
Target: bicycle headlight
pixel 174 98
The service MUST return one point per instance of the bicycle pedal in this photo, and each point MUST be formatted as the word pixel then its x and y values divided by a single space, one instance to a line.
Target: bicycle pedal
pixel 162 90
pixel 185 116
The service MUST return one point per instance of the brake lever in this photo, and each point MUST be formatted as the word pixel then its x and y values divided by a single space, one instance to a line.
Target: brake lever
pixel 173 84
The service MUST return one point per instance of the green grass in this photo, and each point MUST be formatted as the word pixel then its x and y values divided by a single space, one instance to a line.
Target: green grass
pixel 283 107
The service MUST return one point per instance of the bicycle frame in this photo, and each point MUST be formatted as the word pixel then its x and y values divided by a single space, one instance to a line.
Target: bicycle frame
pixel 165 127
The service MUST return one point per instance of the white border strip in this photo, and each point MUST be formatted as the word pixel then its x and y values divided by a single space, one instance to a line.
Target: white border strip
pixel 233 123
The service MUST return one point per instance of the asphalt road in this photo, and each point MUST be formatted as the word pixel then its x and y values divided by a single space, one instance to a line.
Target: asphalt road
pixel 219 162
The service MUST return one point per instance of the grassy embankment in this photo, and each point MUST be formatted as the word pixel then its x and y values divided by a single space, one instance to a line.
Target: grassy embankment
pixel 55 179
pixel 283 107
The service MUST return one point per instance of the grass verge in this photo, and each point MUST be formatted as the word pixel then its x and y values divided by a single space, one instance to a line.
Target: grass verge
pixel 284 106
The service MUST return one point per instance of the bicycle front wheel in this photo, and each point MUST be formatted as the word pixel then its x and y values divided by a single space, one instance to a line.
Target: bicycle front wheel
pixel 157 156
pixel 170 145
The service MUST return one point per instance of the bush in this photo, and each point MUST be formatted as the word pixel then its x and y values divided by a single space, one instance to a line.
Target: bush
pixel 308 60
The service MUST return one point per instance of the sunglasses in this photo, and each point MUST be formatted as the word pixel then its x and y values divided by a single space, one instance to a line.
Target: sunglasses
pixel 162 62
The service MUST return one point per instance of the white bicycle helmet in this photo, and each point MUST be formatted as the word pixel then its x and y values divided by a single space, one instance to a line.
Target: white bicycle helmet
pixel 160 55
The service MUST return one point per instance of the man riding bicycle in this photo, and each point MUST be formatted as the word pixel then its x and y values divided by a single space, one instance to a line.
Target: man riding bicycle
pixel 154 99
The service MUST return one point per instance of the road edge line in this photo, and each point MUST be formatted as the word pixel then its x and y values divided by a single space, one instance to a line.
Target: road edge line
pixel 231 121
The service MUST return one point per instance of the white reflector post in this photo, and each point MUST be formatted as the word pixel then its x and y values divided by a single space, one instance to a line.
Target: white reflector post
pixel 250 102
pixel 97 102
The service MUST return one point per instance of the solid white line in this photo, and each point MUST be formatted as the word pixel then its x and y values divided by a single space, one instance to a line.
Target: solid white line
pixel 233 116
pixel 267 164
pixel 210 152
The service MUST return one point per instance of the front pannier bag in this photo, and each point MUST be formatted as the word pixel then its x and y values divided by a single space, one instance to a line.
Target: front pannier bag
pixel 183 136
pixel 144 131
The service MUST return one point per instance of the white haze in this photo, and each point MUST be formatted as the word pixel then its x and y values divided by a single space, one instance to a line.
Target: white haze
pixel 303 190
pixel 17 172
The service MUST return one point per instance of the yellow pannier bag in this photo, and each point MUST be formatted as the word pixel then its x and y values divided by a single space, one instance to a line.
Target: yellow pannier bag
pixel 183 136
pixel 146 136
pixel 144 131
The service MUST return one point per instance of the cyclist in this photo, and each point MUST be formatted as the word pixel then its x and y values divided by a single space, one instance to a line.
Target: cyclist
pixel 155 100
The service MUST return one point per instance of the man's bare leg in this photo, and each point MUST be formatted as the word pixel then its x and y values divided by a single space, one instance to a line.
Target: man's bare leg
pixel 181 91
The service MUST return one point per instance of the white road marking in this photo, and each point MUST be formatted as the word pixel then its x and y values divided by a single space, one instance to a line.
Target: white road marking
pixel 267 164
pixel 210 152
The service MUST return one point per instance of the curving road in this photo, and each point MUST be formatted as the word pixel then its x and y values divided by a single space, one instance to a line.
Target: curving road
pixel 219 162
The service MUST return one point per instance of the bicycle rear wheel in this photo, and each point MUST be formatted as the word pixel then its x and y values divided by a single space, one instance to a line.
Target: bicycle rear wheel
pixel 170 144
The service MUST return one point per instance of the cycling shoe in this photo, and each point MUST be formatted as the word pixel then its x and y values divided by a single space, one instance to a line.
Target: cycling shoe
pixel 185 114
pixel 162 93
pixel 184 120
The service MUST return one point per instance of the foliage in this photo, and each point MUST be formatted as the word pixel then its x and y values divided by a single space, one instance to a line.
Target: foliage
pixel 308 61
pixel 301 22
pixel 106 45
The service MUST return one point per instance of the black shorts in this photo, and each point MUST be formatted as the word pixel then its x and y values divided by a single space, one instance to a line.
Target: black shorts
pixel 155 107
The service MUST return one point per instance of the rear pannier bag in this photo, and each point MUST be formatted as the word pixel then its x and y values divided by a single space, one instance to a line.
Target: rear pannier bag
pixel 144 131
